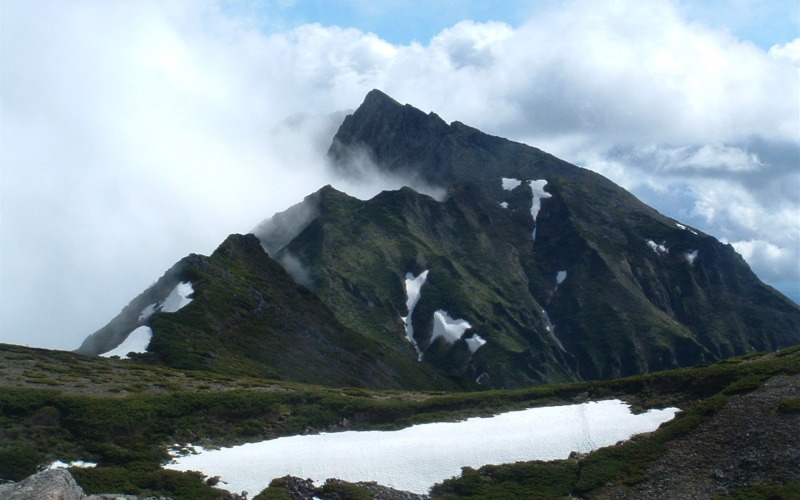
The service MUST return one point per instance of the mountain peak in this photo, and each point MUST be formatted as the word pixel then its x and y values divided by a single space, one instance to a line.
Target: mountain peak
pixel 391 135
pixel 404 140
pixel 376 98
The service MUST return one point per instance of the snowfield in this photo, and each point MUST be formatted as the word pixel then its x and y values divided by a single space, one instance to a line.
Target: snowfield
pixel 416 458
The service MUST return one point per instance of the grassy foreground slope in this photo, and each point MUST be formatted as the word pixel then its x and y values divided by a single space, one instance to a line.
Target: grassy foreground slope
pixel 123 415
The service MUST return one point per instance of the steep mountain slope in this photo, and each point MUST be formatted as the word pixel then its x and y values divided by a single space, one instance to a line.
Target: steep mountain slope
pixel 562 274
pixel 362 254
pixel 247 316
pixel 531 270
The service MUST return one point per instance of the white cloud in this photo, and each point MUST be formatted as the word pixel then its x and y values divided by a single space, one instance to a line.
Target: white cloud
pixel 787 52
pixel 136 133
pixel 777 261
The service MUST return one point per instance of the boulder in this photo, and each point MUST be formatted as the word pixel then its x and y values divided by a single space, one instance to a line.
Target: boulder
pixel 51 484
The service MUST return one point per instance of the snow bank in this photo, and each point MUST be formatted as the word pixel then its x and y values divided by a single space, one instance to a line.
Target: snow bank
pixel 413 292
pixel 691 256
pixel 448 328
pixel 416 458
pixel 136 341
pixel 560 277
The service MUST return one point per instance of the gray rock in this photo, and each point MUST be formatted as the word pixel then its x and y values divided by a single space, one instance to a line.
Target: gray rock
pixel 111 496
pixel 53 484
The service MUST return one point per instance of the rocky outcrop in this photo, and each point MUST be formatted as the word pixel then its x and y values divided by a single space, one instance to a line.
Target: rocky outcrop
pixel 52 484
pixel 58 484
pixel 335 489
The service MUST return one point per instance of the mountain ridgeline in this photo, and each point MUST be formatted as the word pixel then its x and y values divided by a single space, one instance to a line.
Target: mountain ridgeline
pixel 531 270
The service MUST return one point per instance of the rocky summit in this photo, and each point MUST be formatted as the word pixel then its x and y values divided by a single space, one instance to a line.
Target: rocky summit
pixel 529 270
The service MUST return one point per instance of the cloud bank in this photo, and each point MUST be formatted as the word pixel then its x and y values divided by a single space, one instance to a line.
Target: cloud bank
pixel 134 133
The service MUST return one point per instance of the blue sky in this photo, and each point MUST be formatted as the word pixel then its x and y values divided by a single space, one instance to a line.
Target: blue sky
pixel 136 132
pixel 765 23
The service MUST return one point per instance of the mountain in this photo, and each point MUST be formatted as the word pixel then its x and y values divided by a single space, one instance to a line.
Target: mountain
pixel 247 316
pixel 563 274
pixel 530 270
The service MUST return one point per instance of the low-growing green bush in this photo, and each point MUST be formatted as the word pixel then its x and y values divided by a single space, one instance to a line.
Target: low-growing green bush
pixel 144 479
pixel 19 462
pixel 790 405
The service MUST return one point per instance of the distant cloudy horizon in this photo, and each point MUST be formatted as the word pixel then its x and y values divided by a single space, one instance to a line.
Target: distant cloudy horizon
pixel 133 133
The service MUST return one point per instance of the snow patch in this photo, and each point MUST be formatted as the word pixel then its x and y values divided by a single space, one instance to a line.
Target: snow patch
pixel 413 292
pixel 537 189
pixel 136 341
pixel 58 464
pixel 538 195
pixel 658 248
pixel 560 277
pixel 551 330
pixel 691 256
pixel 475 342
pixel 415 458
pixel 147 311
pixel 178 298
pixel 448 328
pixel 509 184
pixel 504 204
pixel 685 228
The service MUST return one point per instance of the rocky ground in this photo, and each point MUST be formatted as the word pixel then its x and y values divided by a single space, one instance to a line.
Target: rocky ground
pixel 748 441
pixel 304 489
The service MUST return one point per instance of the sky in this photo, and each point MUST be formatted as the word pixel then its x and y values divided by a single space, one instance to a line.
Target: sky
pixel 133 133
